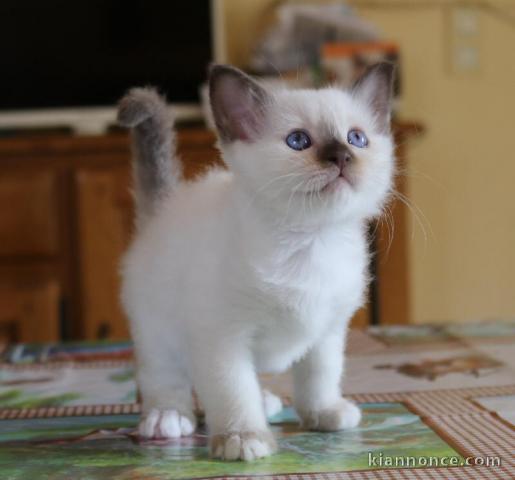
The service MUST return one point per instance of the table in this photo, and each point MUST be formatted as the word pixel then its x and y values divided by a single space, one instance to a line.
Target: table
pixel 433 398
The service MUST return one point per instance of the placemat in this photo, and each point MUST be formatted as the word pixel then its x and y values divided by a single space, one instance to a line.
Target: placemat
pixel 437 401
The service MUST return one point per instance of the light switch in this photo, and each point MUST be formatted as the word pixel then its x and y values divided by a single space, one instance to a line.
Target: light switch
pixel 466 21
pixel 464 39
pixel 466 58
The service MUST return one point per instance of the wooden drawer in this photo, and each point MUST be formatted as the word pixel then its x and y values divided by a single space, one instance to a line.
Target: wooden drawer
pixel 105 223
pixel 29 313
pixel 196 162
pixel 28 212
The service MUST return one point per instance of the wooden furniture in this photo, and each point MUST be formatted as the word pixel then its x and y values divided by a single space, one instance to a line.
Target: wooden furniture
pixel 391 261
pixel 29 312
pixel 66 218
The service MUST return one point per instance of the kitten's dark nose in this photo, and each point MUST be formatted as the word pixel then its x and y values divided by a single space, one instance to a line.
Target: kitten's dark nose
pixel 337 153
pixel 341 158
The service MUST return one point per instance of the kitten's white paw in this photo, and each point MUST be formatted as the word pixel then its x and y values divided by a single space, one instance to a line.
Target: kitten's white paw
pixel 342 415
pixel 165 424
pixel 246 446
pixel 272 403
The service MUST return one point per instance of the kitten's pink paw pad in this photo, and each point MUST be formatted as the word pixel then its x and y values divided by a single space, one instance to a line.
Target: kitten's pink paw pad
pixel 165 424
pixel 272 403
pixel 245 446
pixel 341 416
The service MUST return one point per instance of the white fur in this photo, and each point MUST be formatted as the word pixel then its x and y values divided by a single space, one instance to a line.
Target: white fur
pixel 272 403
pixel 165 424
pixel 246 271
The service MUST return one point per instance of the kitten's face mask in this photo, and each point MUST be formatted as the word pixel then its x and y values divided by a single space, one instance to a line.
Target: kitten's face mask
pixel 308 153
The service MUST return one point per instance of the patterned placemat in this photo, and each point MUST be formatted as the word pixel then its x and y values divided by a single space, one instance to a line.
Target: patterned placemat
pixel 438 402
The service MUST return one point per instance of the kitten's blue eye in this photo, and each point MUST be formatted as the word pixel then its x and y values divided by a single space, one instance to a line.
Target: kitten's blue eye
pixel 357 138
pixel 298 140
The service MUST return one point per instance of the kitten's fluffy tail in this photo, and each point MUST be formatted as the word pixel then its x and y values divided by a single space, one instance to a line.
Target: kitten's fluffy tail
pixel 156 167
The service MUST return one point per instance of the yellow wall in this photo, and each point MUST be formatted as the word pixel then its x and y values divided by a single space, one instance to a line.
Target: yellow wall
pixel 462 171
pixel 243 21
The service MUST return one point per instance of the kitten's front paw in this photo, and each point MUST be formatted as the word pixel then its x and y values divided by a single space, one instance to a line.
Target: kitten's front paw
pixel 246 446
pixel 342 415
pixel 165 424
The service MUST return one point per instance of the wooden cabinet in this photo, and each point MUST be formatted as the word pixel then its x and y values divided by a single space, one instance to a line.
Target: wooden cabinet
pixel 29 312
pixel 29 242
pixel 27 206
pixel 104 226
pixel 66 217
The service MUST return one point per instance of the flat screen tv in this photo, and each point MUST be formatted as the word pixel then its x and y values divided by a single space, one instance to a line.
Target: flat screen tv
pixel 63 54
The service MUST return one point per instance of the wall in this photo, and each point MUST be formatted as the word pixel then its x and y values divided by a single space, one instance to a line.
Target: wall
pixel 462 170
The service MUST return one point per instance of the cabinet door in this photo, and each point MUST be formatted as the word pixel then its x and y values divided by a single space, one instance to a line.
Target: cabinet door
pixel 29 313
pixel 105 225
pixel 105 222
pixel 28 205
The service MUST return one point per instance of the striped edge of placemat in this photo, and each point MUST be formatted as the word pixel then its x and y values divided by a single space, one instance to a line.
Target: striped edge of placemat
pixel 60 364
pixel 69 411
pixel 431 403
pixel 440 473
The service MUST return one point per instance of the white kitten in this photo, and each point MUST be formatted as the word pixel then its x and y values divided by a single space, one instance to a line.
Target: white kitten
pixel 258 268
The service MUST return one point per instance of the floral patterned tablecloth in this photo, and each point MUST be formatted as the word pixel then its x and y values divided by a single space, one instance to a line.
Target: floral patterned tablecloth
pixel 437 401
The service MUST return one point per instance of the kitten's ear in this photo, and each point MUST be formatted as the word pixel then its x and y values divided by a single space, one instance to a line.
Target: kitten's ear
pixel 238 104
pixel 375 88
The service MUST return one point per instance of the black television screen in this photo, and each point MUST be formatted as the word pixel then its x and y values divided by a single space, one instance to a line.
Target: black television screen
pixel 66 53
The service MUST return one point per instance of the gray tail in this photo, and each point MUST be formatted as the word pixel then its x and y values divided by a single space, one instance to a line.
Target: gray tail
pixel 156 168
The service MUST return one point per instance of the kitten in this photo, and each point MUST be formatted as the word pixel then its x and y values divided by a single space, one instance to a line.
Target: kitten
pixel 255 269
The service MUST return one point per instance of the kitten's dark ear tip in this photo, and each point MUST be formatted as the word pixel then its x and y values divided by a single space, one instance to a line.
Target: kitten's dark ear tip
pixel 381 73
pixel 216 70
pixel 385 70
pixel 237 102
pixel 389 70
pixel 213 71
pixel 375 87
pixel 386 67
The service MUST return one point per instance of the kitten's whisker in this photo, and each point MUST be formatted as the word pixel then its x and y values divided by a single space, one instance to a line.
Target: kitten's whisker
pixel 275 179
pixel 311 192
pixel 293 192
pixel 413 205
pixel 269 183
pixel 412 172
pixel 418 215
pixel 390 227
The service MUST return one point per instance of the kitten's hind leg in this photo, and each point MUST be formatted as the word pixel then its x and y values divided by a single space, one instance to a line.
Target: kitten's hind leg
pixel 273 404
pixel 167 403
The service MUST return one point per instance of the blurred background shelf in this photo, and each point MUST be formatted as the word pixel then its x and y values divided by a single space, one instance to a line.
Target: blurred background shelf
pixel 66 218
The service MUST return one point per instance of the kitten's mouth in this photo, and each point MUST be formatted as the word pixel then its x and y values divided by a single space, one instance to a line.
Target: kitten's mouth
pixel 338 182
